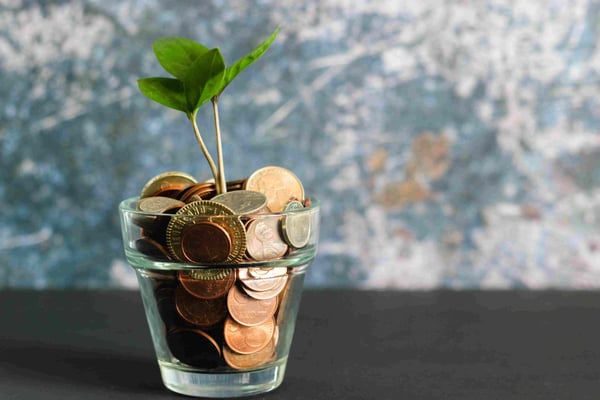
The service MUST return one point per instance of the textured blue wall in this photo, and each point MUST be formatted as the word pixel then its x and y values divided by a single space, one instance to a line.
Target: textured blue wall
pixel 454 144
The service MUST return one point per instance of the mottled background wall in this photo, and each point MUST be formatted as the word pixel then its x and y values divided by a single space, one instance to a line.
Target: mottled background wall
pixel 454 144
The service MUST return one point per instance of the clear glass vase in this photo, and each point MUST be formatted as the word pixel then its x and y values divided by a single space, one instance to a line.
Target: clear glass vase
pixel 221 320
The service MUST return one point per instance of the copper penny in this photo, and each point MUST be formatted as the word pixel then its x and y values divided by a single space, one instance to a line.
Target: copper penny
pixel 205 242
pixel 201 312
pixel 167 183
pixel 278 184
pixel 247 361
pixel 247 310
pixel 194 347
pixel 248 339
pixel 152 248
pixel 206 288
pixel 263 241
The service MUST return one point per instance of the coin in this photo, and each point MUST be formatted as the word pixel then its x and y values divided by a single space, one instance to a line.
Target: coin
pixel 201 312
pixel 159 204
pixel 194 347
pixel 205 242
pixel 263 272
pixel 263 241
pixel 167 184
pixel 206 288
pixel 295 226
pixel 277 286
pixel 247 310
pixel 242 202
pixel 248 339
pixel 278 184
pixel 152 248
pixel 253 360
pixel 201 190
pixel 208 273
pixel 209 214
pixel 261 284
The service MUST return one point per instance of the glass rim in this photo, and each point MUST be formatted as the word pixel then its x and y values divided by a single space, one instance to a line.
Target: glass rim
pixel 128 206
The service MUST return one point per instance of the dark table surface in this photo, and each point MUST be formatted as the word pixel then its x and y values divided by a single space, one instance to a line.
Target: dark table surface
pixel 348 345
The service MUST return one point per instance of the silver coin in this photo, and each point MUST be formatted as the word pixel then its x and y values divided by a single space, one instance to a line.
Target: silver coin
pixel 296 225
pixel 242 201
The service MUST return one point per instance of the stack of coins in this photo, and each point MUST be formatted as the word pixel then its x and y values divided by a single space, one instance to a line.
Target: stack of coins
pixel 227 315
pixel 249 222
pixel 222 316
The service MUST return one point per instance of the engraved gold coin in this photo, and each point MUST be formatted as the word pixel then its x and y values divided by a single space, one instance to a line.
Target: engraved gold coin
pixel 278 184
pixel 207 288
pixel 212 217
pixel 296 224
pixel 167 184
pixel 248 339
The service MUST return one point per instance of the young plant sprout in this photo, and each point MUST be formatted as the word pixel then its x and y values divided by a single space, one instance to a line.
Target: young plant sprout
pixel 199 75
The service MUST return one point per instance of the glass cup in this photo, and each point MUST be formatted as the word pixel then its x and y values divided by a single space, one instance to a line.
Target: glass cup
pixel 222 327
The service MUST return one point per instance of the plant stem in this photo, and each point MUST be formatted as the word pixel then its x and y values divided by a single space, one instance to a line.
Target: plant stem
pixel 221 174
pixel 211 163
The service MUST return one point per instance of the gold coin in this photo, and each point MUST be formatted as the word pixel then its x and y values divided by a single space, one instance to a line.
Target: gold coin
pixel 248 339
pixel 207 288
pixel 278 184
pixel 296 224
pixel 215 218
pixel 167 183
pixel 249 311
pixel 242 201
pixel 263 241
pixel 207 273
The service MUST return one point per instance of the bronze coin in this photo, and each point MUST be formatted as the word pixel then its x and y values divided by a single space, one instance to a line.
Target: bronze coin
pixel 249 311
pixel 205 242
pixel 278 184
pixel 194 347
pixel 152 248
pixel 167 184
pixel 248 361
pixel 206 288
pixel 263 241
pixel 201 312
pixel 248 339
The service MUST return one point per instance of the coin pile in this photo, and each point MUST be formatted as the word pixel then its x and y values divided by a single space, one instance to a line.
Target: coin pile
pixel 186 221
pixel 222 316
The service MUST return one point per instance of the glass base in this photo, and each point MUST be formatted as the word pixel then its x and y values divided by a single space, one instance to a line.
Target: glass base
pixel 224 384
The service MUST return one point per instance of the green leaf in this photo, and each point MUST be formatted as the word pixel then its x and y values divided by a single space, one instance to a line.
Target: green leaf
pixel 205 69
pixel 176 55
pixel 166 91
pixel 232 71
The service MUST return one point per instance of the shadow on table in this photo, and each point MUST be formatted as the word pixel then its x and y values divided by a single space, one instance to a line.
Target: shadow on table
pixel 52 363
